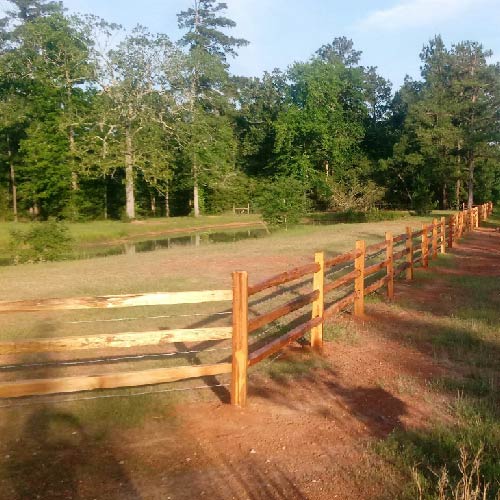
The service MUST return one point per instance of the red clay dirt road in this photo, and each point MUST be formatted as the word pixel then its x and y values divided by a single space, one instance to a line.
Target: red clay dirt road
pixel 302 436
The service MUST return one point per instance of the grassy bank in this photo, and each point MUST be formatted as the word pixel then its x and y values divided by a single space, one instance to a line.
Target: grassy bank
pixel 463 454
pixel 108 231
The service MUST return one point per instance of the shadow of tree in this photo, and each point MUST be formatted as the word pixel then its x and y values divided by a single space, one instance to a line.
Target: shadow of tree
pixel 54 458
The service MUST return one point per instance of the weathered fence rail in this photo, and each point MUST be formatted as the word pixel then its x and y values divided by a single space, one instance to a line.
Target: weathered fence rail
pixel 365 269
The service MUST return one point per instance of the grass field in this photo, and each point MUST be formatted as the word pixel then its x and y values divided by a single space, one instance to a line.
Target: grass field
pixel 86 234
pixel 447 318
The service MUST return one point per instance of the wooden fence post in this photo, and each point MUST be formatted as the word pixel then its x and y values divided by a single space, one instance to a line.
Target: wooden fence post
pixel 451 228
pixel 409 255
pixel 434 238
pixel 390 264
pixel 319 303
pixel 425 246
pixel 359 282
pixel 240 339
pixel 471 219
pixel 443 235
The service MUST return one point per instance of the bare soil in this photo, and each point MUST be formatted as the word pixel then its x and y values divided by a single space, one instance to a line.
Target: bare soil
pixel 304 435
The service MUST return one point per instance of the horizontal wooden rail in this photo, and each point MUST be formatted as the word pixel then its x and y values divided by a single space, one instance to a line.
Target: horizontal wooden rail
pixel 340 259
pixel 400 238
pixel 343 280
pixel 116 340
pixel 401 268
pixel 116 301
pixel 375 247
pixel 375 268
pixel 285 309
pixel 417 234
pixel 400 254
pixel 338 306
pixel 278 344
pixel 39 387
pixel 285 277
pixel 376 285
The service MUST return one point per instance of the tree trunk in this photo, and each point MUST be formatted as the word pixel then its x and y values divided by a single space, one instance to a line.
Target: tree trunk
pixel 470 200
pixel 72 149
pixel 457 194
pixel 105 199
pixel 129 175
pixel 445 197
pixel 167 202
pixel 153 205
pixel 196 198
pixel 12 181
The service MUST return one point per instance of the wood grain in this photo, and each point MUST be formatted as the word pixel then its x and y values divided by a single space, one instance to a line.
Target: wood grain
pixel 281 342
pixel 116 340
pixel 283 310
pixel 38 387
pixel 285 277
pixel 116 301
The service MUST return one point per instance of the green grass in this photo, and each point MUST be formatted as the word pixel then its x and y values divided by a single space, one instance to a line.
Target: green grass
pixel 86 234
pixel 111 231
pixel 467 341
pixel 293 366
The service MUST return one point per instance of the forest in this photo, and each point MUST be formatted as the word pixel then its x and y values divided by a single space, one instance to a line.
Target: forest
pixel 97 122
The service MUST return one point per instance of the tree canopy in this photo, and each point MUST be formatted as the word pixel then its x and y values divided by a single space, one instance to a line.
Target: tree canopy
pixel 158 126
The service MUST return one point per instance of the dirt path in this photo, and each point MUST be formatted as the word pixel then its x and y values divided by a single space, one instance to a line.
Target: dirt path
pixel 304 435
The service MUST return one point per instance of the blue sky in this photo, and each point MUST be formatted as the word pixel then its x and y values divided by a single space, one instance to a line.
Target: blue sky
pixel 390 33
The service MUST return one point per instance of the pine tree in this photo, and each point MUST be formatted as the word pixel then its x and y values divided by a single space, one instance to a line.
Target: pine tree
pixel 205 82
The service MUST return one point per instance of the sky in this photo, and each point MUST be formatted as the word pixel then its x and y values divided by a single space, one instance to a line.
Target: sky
pixel 390 33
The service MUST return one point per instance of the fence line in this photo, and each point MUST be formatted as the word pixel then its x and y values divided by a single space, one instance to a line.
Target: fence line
pixel 400 253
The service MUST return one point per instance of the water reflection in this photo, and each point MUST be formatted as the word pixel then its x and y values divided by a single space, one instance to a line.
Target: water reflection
pixel 194 239
pixel 151 245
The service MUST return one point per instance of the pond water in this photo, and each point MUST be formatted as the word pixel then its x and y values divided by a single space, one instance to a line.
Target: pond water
pixel 150 245
pixel 190 240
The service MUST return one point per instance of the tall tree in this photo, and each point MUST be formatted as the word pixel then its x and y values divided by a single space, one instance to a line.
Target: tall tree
pixel 206 80
pixel 131 120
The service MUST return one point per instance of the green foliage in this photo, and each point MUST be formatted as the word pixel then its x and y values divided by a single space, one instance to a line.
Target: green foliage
pixel 43 241
pixel 282 202
pixel 355 195
pixel 422 201
pixel 88 132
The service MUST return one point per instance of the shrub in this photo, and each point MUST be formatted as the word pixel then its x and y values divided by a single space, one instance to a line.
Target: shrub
pixel 42 241
pixel 355 195
pixel 282 202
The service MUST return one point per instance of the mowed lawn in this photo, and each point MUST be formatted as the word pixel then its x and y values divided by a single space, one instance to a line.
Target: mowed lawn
pixel 184 268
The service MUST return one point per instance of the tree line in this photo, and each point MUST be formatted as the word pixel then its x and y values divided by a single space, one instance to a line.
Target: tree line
pixel 97 122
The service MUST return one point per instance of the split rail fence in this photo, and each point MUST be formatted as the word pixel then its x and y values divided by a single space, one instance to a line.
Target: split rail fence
pixel 365 274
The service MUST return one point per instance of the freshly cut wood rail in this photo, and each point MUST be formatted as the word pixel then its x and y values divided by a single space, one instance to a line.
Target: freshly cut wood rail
pixel 39 387
pixel 116 340
pixel 399 255
pixel 116 301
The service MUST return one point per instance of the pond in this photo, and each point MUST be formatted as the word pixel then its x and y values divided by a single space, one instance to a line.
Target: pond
pixel 191 240
pixel 196 239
